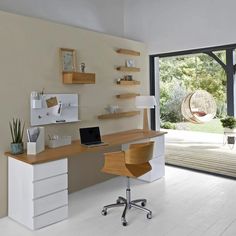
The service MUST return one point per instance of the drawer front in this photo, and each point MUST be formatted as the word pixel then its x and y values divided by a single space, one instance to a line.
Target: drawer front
pixel 50 217
pixel 50 185
pixel 50 202
pixel 49 169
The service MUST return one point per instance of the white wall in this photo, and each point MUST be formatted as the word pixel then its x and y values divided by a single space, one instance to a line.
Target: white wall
pixel 167 25
pixel 29 61
pixel 99 15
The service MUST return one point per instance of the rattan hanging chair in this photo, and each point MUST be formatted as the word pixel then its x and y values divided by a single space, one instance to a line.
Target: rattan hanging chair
pixel 198 107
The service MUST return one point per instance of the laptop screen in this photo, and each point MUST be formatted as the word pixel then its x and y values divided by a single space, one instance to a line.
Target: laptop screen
pixel 89 135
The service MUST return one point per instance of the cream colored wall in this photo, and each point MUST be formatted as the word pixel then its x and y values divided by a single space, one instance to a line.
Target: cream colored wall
pixel 29 61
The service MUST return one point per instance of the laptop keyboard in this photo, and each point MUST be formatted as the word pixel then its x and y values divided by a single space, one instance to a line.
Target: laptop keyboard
pixel 93 143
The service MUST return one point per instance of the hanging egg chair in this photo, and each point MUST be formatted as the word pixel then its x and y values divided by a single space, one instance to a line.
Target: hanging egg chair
pixel 198 107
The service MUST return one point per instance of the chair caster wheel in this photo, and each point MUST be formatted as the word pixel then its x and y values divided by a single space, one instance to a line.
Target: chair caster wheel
pixel 143 204
pixel 149 216
pixel 104 212
pixel 118 201
pixel 124 223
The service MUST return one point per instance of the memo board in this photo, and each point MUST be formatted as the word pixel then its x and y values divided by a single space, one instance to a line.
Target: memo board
pixel 53 108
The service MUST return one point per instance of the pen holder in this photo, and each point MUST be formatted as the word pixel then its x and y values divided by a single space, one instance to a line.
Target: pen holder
pixel 34 148
pixel 36 104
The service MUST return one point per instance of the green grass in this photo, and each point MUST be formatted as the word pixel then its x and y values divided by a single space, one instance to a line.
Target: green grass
pixel 214 126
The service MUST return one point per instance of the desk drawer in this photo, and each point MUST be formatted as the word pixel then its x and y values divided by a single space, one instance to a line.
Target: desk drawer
pixel 50 217
pixel 50 202
pixel 50 185
pixel 49 169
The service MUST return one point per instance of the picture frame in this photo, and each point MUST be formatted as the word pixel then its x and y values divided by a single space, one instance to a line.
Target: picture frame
pixel 128 77
pixel 68 59
pixel 130 63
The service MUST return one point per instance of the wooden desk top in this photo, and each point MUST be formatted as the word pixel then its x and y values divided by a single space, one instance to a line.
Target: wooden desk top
pixel 51 154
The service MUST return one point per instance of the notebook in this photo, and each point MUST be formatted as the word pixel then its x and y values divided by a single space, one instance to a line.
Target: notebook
pixel 91 136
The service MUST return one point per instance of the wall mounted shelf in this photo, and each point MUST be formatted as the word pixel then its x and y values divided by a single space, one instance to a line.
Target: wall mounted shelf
pixel 128 52
pixel 78 78
pixel 127 95
pixel 118 115
pixel 128 69
pixel 128 82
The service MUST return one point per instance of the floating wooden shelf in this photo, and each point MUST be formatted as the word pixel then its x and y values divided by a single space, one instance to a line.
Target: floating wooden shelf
pixel 78 78
pixel 129 82
pixel 128 52
pixel 128 69
pixel 127 95
pixel 118 115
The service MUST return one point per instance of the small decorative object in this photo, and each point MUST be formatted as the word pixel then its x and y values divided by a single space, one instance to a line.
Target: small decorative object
pixel 68 59
pixel 130 63
pixel 128 77
pixel 112 108
pixel 51 102
pixel 82 67
pixel 17 132
pixel 36 98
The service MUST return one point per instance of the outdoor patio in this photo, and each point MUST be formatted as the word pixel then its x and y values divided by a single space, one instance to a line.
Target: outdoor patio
pixel 200 151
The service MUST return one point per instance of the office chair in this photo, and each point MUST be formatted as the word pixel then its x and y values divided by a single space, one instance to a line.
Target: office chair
pixel 131 163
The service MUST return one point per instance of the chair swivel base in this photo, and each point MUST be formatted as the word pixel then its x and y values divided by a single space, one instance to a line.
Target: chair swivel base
pixel 128 205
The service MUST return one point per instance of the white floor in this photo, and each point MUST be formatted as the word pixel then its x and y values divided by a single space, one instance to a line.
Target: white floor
pixel 183 203
pixel 207 141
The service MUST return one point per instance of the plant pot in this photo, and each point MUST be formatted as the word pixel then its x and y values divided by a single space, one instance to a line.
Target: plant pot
pixel 228 130
pixel 17 148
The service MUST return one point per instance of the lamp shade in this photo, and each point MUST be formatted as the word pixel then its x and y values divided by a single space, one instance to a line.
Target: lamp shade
pixel 145 101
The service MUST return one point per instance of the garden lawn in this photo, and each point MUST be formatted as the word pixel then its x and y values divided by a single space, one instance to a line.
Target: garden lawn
pixel 214 126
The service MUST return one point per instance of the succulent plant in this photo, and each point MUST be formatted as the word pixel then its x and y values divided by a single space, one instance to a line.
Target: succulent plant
pixel 17 130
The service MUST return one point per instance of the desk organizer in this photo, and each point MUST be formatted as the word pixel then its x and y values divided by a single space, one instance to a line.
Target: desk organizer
pixel 58 141
pixel 34 148
pixel 53 108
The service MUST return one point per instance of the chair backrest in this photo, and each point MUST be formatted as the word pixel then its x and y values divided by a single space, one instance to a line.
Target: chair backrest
pixel 139 153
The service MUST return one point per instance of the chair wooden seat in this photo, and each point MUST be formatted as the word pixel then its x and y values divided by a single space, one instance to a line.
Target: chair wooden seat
pixel 131 163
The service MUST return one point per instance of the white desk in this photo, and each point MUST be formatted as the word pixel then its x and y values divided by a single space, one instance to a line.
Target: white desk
pixel 38 184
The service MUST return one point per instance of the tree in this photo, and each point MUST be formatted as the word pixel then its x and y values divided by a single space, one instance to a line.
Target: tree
pixel 187 74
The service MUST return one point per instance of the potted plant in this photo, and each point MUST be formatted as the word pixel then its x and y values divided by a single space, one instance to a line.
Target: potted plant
pixel 229 123
pixel 17 132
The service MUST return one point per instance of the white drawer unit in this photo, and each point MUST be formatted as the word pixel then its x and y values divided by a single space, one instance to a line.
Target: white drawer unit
pixel 49 169
pixel 37 194
pixel 50 185
pixel 50 202
pixel 51 217
pixel 158 161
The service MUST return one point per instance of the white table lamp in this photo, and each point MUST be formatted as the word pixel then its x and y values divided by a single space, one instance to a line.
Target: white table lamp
pixel 145 102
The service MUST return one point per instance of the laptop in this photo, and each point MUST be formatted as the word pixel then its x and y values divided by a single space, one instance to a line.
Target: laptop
pixel 91 137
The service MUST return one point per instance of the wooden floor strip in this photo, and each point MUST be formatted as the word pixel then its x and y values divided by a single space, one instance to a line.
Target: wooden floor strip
pixel 212 161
